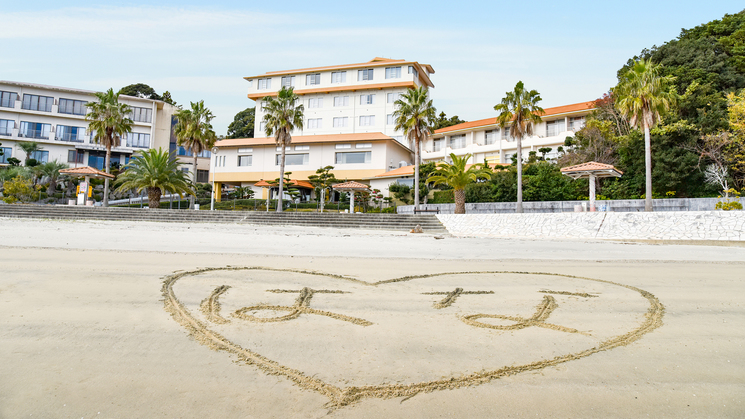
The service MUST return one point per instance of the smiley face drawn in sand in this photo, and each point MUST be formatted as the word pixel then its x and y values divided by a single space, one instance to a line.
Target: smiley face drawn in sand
pixel 349 339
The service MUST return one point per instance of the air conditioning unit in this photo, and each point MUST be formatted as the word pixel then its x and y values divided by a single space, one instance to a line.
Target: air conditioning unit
pixel 402 163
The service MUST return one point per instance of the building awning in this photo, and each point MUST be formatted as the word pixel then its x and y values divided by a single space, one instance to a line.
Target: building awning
pixel 585 170
pixel 295 183
pixel 86 171
pixel 351 186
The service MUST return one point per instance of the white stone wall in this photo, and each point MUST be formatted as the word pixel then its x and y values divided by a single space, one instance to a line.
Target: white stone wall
pixel 690 225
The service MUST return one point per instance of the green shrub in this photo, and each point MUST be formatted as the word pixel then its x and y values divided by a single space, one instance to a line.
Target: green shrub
pixel 442 197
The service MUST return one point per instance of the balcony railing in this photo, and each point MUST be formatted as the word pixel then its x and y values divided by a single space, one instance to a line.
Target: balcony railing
pixel 34 133
pixel 7 132
pixel 69 138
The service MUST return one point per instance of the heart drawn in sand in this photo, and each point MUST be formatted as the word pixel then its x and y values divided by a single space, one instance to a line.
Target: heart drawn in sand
pixel 349 339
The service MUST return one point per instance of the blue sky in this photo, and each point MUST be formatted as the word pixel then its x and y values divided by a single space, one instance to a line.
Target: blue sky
pixel 568 51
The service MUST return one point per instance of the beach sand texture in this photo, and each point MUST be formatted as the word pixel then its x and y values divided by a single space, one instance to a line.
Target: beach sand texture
pixel 108 319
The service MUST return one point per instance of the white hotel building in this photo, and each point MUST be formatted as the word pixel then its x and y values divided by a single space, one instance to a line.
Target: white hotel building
pixel 348 124
pixel 54 117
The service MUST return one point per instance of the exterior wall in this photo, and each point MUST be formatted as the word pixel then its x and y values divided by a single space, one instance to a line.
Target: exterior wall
pixel 687 226
pixel 352 88
pixel 503 148
pixel 59 148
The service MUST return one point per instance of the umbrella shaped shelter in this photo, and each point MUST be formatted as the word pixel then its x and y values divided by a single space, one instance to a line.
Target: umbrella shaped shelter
pixel 352 187
pixel 86 172
pixel 591 170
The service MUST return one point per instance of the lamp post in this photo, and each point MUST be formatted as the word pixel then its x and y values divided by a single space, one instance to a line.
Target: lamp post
pixel 212 195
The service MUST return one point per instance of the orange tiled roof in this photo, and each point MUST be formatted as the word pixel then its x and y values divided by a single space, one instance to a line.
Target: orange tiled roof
pixel 86 171
pixel 350 185
pixel 311 139
pixel 558 110
pixel 591 166
pixel 329 89
pixel 298 183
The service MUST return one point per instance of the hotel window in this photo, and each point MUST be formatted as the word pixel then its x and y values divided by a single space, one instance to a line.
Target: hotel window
pixel 35 130
pixel 288 81
pixel 71 134
pixel 74 107
pixel 506 134
pixel 342 146
pixel 413 71
pixel 265 105
pixel 341 121
pixel 393 72
pixel 341 101
pixel 491 136
pixel 245 160
pixel 439 144
pixel 37 103
pixel 75 156
pixel 293 159
pixel 203 176
pixel 553 128
pixel 389 119
pixel 8 99
pixel 576 123
pixel 367 99
pixel 315 102
pixel 7 153
pixel 302 147
pixel 314 123
pixel 363 145
pixel 262 127
pixel 392 97
pixel 264 84
pixel 205 153
pixel 40 156
pixel 6 126
pixel 338 77
pixel 312 79
pixel 363 75
pixel 135 139
pixel 367 120
pixel 458 141
pixel 141 114
pixel 354 157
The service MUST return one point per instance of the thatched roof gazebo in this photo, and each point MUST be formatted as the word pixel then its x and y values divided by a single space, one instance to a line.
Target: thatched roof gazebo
pixel 591 170
pixel 351 186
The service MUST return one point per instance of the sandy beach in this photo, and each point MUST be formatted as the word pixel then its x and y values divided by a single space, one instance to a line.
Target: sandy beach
pixel 119 320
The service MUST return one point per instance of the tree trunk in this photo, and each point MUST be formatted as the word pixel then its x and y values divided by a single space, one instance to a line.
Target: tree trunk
pixel 460 201
pixel 153 198
pixel 323 193
pixel 519 205
pixel 194 178
pixel 281 176
pixel 648 169
pixel 107 168
pixel 416 173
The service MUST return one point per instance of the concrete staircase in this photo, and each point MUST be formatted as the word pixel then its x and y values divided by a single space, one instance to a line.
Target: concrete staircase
pixel 397 222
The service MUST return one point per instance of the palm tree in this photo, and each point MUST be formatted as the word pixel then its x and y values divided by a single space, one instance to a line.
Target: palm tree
pixel 29 147
pixel 457 176
pixel 51 171
pixel 194 131
pixel 643 95
pixel 108 119
pixel 415 116
pixel 283 114
pixel 520 107
pixel 157 172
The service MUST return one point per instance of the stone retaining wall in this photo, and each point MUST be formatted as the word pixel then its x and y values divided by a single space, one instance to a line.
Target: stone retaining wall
pixel 618 205
pixel 690 225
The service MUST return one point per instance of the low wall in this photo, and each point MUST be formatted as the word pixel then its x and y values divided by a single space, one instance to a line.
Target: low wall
pixel 618 205
pixel 690 225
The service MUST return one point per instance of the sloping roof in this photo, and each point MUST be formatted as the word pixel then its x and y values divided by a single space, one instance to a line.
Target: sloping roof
pixel 375 62
pixel 558 110
pixel 294 182
pixel 86 171
pixel 351 185
pixel 409 170
pixel 595 168
pixel 310 139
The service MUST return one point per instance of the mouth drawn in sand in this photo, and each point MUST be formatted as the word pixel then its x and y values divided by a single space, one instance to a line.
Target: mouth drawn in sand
pixel 349 339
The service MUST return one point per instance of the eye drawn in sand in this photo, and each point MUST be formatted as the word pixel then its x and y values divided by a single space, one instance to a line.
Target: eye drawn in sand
pixel 340 395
